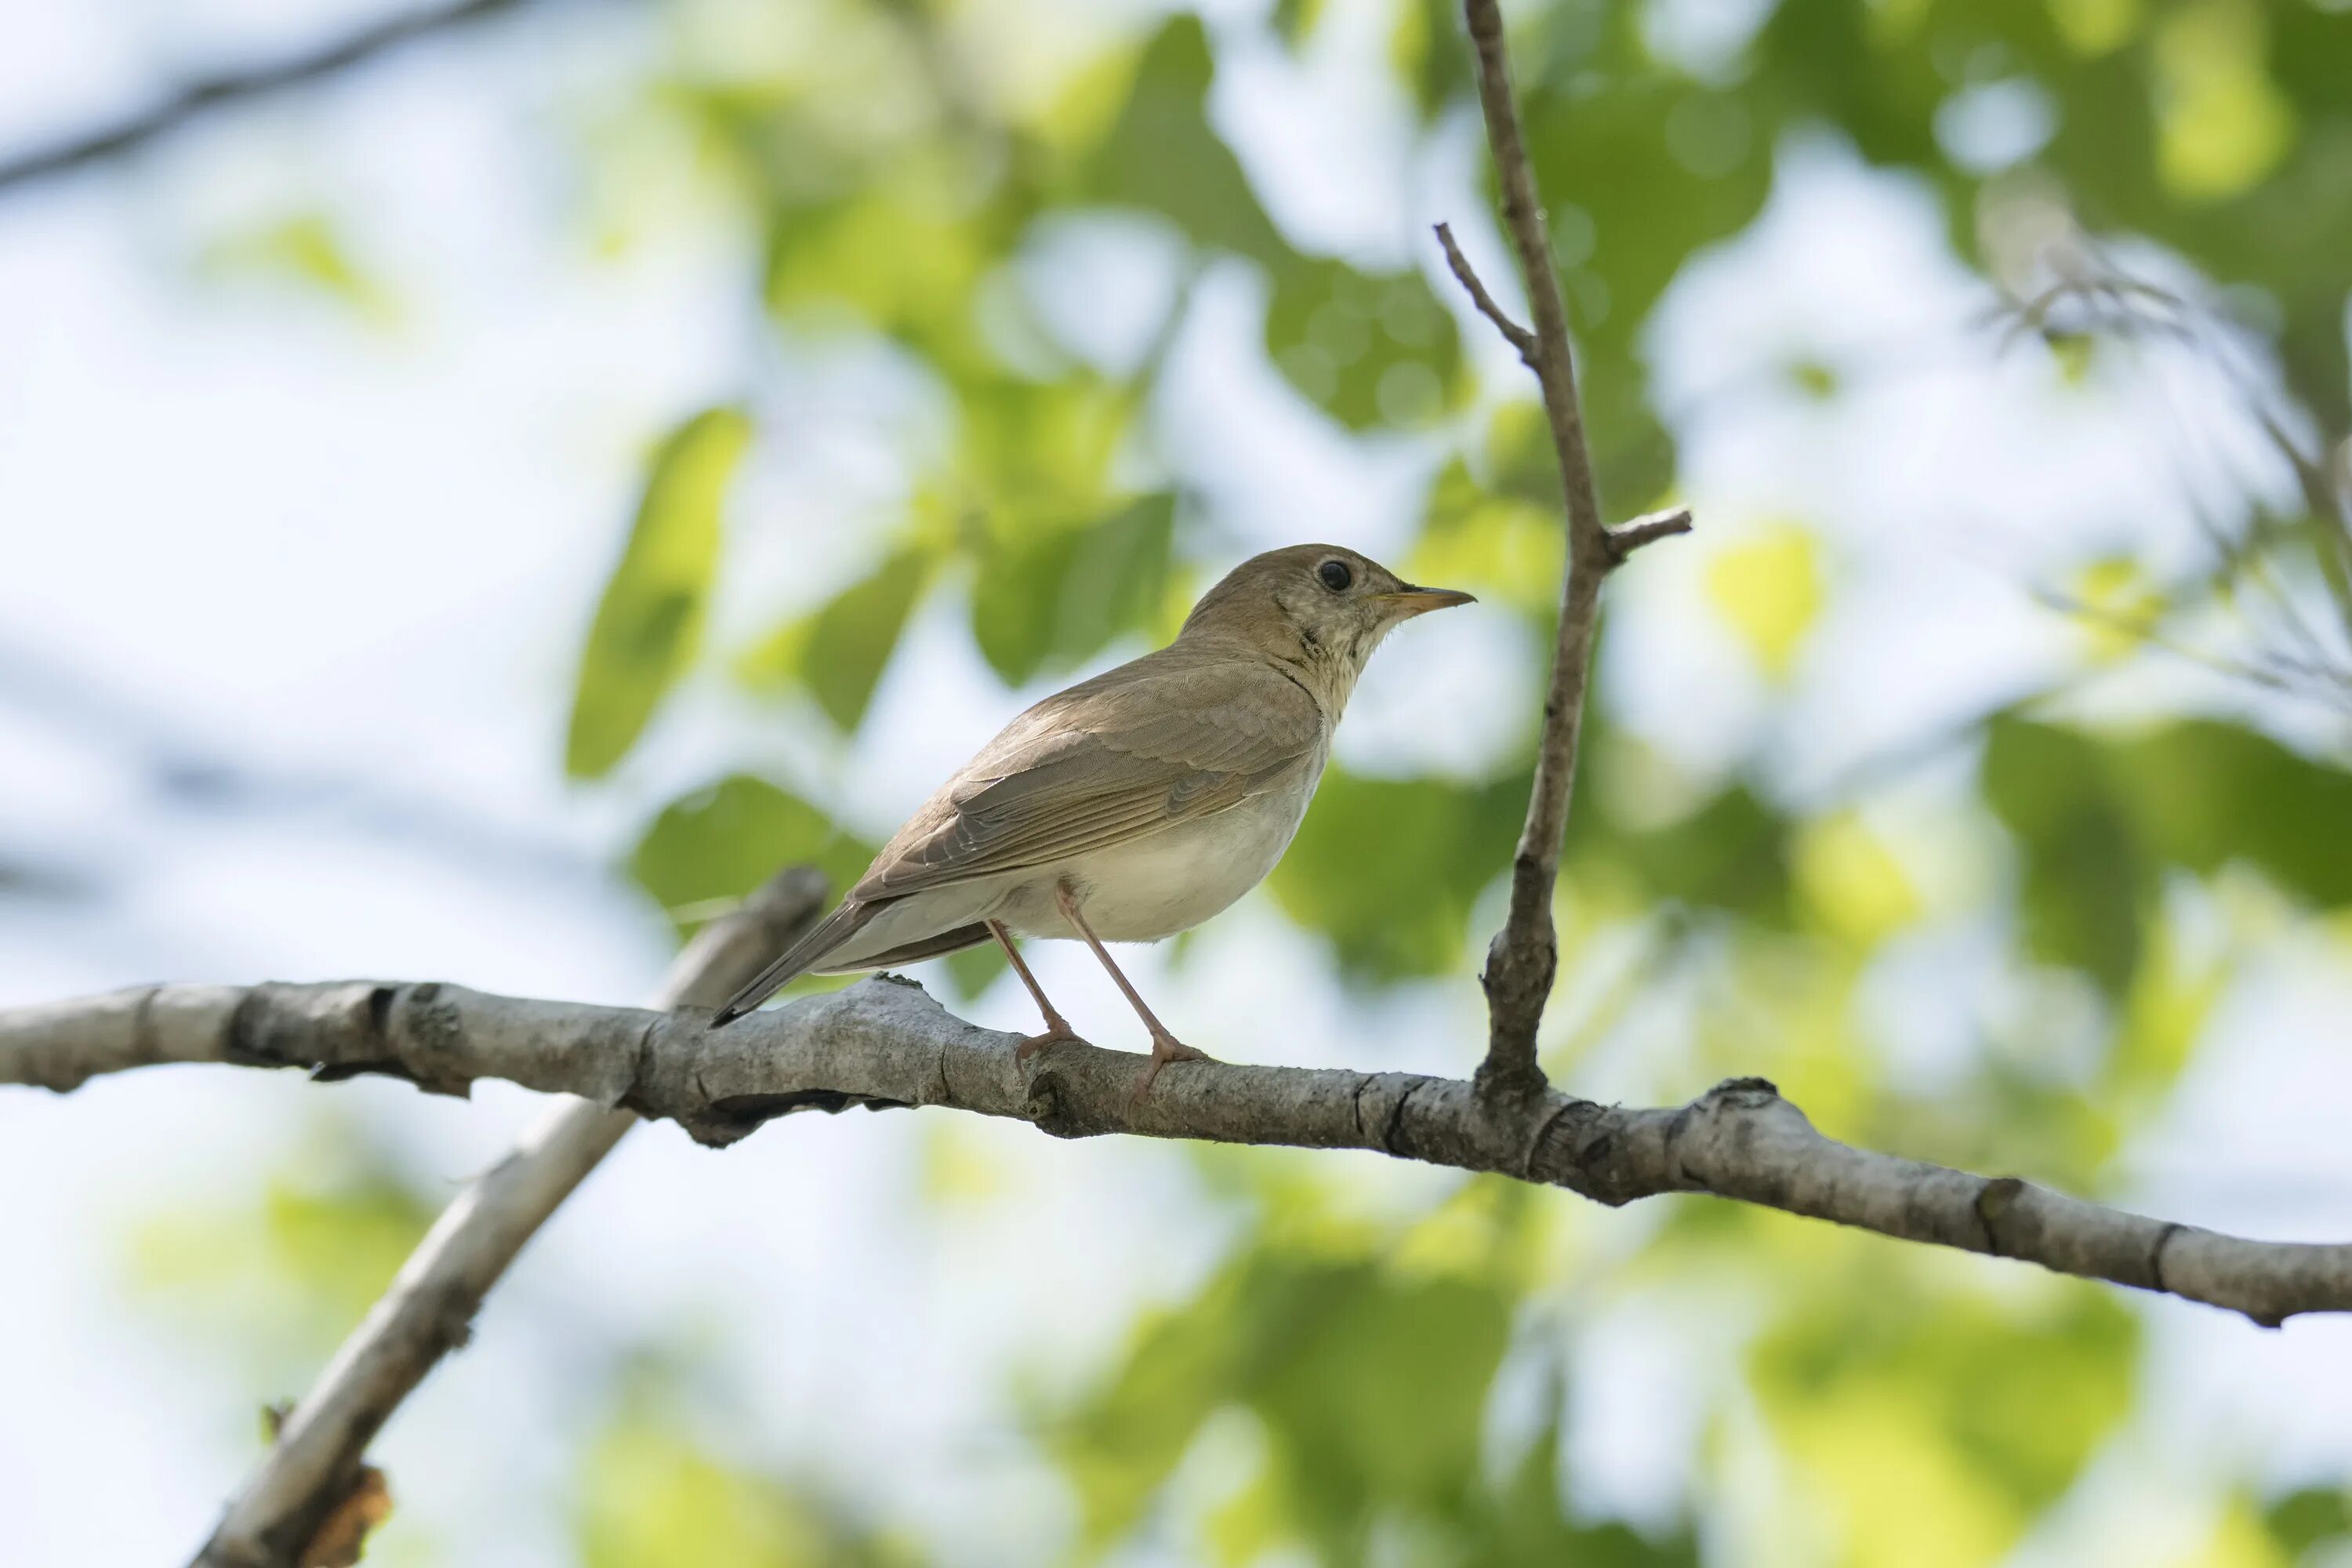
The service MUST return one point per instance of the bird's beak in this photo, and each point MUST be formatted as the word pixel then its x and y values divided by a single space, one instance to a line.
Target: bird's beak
pixel 1410 601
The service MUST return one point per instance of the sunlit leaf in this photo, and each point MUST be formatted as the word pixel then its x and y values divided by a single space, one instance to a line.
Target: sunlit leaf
pixel 1499 545
pixel 1768 587
pixel 900 257
pixel 1162 154
pixel 837 652
pixel 1850 881
pixel 2221 123
pixel 649 624
pixel 654 1494
pixel 1430 51
pixel 1905 1407
pixel 723 840
pixel 1052 600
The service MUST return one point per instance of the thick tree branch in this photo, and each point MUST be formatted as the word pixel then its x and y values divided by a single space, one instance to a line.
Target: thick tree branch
pixel 1525 954
pixel 886 1043
pixel 315 1461
pixel 206 94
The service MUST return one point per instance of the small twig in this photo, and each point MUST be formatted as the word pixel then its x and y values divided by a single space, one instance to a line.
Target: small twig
pixel 1518 336
pixel 1648 529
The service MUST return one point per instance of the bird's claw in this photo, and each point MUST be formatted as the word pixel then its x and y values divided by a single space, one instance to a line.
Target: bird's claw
pixel 1165 1049
pixel 1054 1035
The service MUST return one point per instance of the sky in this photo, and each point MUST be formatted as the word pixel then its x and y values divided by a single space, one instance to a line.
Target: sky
pixel 351 564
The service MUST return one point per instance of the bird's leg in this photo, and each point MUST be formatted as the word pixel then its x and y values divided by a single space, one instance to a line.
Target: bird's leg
pixel 1165 1047
pixel 1057 1029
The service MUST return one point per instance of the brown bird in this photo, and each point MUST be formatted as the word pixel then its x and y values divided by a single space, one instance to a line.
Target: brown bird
pixel 1135 804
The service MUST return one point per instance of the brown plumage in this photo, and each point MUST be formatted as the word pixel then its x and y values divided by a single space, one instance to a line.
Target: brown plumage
pixel 1139 803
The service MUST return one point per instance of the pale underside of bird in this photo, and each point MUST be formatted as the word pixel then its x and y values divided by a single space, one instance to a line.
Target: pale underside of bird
pixel 1135 804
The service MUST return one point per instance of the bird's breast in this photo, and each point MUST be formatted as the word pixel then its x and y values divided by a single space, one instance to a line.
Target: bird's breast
pixel 1171 880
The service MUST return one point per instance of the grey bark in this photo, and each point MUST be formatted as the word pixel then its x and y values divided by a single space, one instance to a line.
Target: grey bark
pixel 885 1044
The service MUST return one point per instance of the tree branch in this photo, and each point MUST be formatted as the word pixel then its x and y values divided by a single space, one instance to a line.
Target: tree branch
pixel 315 1461
pixel 1518 336
pixel 206 94
pixel 885 1042
pixel 1524 957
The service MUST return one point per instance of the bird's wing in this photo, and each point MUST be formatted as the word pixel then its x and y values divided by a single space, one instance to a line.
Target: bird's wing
pixel 1150 744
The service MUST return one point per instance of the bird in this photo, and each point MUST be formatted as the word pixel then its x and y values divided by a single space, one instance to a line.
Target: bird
pixel 1134 804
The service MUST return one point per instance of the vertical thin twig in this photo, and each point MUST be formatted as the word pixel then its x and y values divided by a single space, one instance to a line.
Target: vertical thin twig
pixel 429 1310
pixel 1525 954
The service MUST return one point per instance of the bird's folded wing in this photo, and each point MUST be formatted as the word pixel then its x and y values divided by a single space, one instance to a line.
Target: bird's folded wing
pixel 1102 763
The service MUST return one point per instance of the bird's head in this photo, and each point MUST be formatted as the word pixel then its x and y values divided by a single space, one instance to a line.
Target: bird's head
pixel 1318 610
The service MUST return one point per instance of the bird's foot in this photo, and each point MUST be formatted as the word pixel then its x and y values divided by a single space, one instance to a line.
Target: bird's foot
pixel 1057 1031
pixel 1165 1049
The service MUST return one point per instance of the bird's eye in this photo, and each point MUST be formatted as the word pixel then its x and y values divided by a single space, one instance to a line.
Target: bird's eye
pixel 1335 575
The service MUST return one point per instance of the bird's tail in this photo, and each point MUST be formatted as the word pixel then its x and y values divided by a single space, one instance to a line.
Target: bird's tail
pixel 822 938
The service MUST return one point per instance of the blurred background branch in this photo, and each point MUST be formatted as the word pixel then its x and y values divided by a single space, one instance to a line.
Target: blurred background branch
pixel 208 94
pixel 315 1455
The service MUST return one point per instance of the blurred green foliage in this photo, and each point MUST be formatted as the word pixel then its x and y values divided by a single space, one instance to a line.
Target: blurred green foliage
pixel 274 1279
pixel 1926 1422
pixel 1907 1410
pixel 656 1493
pixel 1362 1360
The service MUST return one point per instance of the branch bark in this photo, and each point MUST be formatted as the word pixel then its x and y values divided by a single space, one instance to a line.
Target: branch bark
pixel 1524 957
pixel 885 1042
pixel 206 94
pixel 315 1461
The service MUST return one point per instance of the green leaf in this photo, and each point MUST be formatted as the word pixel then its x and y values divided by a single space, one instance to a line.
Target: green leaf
pixel 1388 869
pixel 1730 854
pixel 649 624
pixel 1162 153
pixel 723 840
pixel 1052 601
pixel 1181 1367
pixel 1373 1384
pixel 904 259
pixel 2099 818
pixel 838 652
pixel 1975 1411
pixel 1431 52
pixel 1295 20
pixel 657 1490
pixel 1527 1523
pixel 2087 887
pixel 2206 794
pixel 972 969
pixel 271 1278
pixel 2310 1518
pixel 1368 349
